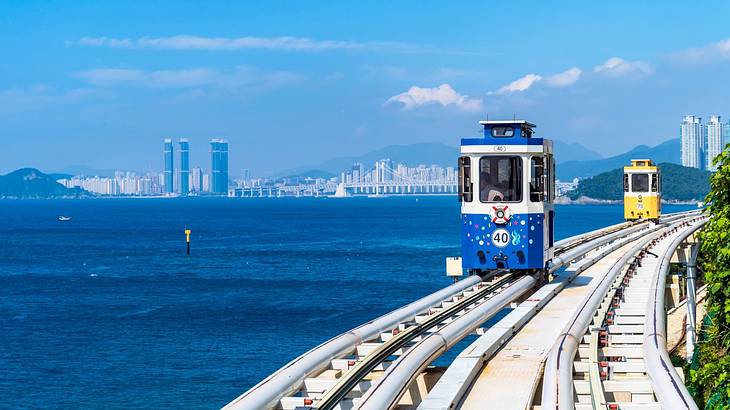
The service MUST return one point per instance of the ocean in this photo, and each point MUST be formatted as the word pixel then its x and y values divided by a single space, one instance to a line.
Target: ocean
pixel 107 311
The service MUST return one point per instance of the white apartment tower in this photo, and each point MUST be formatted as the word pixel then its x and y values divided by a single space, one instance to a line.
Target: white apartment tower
pixel 196 179
pixel 715 140
pixel 693 141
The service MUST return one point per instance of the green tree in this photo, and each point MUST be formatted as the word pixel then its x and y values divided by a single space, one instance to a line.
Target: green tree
pixel 710 374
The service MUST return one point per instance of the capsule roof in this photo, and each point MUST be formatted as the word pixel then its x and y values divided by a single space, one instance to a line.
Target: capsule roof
pixel 508 122
pixel 642 163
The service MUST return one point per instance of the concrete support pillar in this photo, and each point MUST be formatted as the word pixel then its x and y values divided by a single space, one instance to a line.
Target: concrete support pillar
pixel 691 335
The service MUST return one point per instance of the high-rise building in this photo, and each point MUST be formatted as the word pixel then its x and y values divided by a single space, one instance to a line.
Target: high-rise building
pixel 206 183
pixel 196 178
pixel 693 141
pixel 715 140
pixel 358 172
pixel 184 172
pixel 219 166
pixel 169 164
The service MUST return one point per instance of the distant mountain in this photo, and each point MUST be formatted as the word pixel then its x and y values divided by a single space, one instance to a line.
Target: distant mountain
pixel 678 184
pixel 56 177
pixel 312 173
pixel 427 153
pixel 87 171
pixel 413 154
pixel 668 151
pixel 565 152
pixel 32 183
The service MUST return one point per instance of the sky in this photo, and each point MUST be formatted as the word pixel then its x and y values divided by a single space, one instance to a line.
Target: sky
pixel 291 83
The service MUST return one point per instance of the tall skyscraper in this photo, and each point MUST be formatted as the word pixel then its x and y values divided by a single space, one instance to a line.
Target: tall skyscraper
pixel 169 163
pixel 219 166
pixel 693 141
pixel 715 140
pixel 184 173
pixel 197 179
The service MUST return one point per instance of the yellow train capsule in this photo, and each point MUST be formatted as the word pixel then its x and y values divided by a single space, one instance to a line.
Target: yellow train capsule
pixel 642 190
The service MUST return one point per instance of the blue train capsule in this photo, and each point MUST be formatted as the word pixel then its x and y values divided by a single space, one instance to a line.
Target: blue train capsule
pixel 506 189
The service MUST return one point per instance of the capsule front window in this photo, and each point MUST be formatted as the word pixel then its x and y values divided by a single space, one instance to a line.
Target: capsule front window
pixel 500 179
pixel 640 182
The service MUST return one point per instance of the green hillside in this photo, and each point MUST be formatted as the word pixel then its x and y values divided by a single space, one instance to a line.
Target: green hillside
pixel 678 183
pixel 32 183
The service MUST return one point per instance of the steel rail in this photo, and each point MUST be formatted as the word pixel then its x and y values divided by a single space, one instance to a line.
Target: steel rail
pixel 585 247
pixel 570 242
pixel 350 379
pixel 290 377
pixel 443 395
pixel 558 374
pixel 557 387
pixel 388 389
pixel 384 394
pixel 592 238
pixel 666 383
pixel 287 379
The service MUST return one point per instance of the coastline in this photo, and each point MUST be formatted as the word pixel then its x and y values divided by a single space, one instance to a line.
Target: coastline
pixel 585 200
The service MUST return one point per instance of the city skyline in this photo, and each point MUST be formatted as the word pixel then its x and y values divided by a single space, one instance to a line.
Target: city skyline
pixel 699 143
pixel 263 73
pixel 720 133
pixel 177 179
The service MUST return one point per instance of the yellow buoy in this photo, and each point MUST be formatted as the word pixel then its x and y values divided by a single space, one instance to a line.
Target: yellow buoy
pixel 187 239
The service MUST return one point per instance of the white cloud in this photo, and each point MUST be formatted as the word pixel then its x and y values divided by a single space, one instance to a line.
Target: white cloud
pixel 111 77
pixel 564 79
pixel 187 42
pixel 618 67
pixel 38 95
pixel 708 53
pixel 559 80
pixel 521 84
pixel 443 94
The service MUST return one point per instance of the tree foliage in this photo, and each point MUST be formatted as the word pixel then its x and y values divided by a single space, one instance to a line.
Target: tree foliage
pixel 710 375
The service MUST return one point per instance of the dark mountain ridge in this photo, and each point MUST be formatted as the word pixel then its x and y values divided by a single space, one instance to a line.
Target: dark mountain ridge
pixel 667 151
pixel 32 183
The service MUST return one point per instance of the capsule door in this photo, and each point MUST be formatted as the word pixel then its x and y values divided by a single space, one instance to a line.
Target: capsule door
pixel 541 188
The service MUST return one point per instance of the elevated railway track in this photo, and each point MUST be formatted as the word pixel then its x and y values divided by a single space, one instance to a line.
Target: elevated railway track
pixel 384 363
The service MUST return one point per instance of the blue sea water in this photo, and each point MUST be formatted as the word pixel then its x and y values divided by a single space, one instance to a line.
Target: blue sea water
pixel 107 311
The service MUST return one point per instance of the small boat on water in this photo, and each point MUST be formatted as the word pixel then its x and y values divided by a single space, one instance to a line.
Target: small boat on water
pixel 64 218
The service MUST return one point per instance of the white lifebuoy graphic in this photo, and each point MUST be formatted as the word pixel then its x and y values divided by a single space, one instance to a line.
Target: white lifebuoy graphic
pixel 501 238
pixel 501 214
